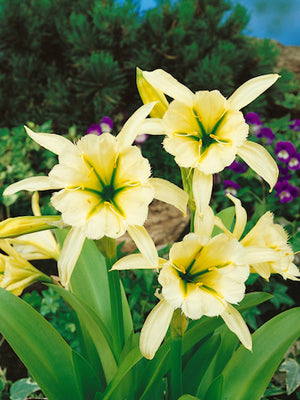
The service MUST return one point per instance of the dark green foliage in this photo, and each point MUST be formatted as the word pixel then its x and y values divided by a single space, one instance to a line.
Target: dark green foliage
pixel 21 157
pixel 74 61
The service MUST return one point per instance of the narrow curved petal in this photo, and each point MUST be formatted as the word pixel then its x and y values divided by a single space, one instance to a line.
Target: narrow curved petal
pixel 133 261
pixel 31 185
pixel 144 243
pixel 219 224
pixel 55 143
pixel 250 90
pixel 263 269
pixel 204 225
pixel 237 325
pixel 202 188
pixel 258 158
pixel 155 328
pixel 9 250
pixel 256 254
pixel 148 94
pixel 35 204
pixel 132 126
pixel 152 126
pixel 12 227
pixel 170 193
pixel 240 217
pixel 165 82
pixel 69 254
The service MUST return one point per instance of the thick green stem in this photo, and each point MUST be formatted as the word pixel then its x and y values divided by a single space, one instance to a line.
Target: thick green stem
pixel 187 183
pixel 176 368
pixel 178 326
pixel 109 250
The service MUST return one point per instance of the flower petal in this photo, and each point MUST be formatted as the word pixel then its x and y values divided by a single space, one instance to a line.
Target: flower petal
pixel 144 243
pixel 240 217
pixel 258 158
pixel 202 188
pixel 204 225
pixel 55 143
pixel 69 254
pixel 237 325
pixel 256 254
pixel 165 82
pixel 148 94
pixel 132 126
pixel 133 261
pixel 30 184
pixel 169 193
pixel 152 126
pixel 250 90
pixel 155 328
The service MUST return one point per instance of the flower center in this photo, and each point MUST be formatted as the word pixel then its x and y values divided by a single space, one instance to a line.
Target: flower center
pixel 284 194
pixel 205 137
pixel 293 162
pixel 283 154
pixel 108 193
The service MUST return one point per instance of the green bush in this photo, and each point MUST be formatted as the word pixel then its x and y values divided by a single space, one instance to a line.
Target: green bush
pixel 72 62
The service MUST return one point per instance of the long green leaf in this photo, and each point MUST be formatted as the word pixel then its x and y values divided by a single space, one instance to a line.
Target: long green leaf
pixel 215 390
pixel 153 371
pixel 89 282
pixel 43 351
pixel 128 363
pixel 87 381
pixel 96 329
pixel 229 341
pixel 247 374
pixel 198 364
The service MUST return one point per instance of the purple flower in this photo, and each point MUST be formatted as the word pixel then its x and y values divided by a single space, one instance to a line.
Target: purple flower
pixel 284 151
pixel 284 174
pixel 294 162
pixel 254 121
pixel 285 191
pixel 231 187
pixel 237 167
pixel 140 139
pixel 295 126
pixel 105 125
pixel 94 129
pixel 266 133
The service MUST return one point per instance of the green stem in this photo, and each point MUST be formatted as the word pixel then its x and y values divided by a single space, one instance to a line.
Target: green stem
pixel 187 183
pixel 178 327
pixel 176 368
pixel 116 305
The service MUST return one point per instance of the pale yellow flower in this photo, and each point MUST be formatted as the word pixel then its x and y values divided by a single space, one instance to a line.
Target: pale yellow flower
pixel 266 245
pixel 205 131
pixel 105 188
pixel 203 276
pixel 16 273
pixel 39 243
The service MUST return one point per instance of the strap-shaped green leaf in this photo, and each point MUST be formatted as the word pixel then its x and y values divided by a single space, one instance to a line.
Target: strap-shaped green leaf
pixel 96 329
pixel 87 381
pixel 199 363
pixel 43 351
pixel 89 282
pixel 128 363
pixel 247 374
pixel 215 390
pixel 229 342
